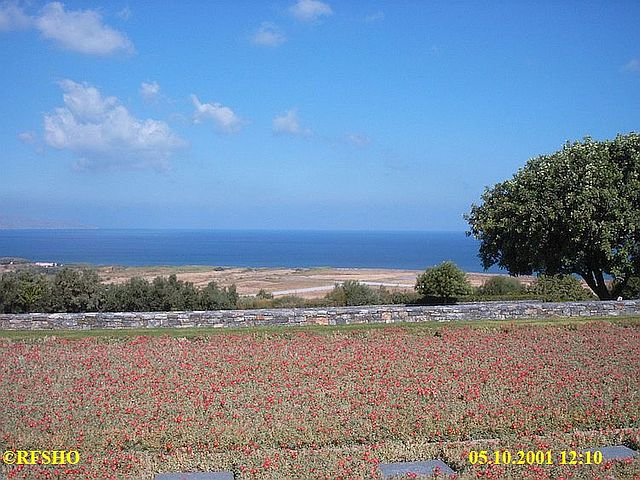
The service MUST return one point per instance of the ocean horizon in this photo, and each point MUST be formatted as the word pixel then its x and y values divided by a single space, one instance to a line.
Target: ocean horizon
pixel 244 248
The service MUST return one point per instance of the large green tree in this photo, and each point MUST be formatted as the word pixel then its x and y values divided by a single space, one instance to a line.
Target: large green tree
pixel 574 211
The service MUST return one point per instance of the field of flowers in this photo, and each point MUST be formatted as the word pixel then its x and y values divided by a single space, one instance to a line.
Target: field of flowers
pixel 296 404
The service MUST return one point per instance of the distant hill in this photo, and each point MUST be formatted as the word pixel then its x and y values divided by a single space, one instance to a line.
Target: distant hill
pixel 19 223
pixel 13 260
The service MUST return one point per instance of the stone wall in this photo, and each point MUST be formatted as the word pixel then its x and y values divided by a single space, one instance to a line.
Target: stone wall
pixel 318 316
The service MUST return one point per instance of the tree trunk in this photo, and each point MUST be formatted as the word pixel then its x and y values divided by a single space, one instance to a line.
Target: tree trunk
pixel 595 280
pixel 603 291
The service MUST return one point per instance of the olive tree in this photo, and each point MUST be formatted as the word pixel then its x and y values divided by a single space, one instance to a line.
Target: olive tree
pixel 76 290
pixel 576 211
pixel 24 291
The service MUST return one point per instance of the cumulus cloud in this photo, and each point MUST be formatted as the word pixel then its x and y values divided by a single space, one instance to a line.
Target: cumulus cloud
pixel 149 91
pixel 103 134
pixel 77 30
pixel 81 31
pixel 269 35
pixel 289 123
pixel 223 117
pixel 374 17
pixel 12 17
pixel 310 10
pixel 632 65
pixel 27 137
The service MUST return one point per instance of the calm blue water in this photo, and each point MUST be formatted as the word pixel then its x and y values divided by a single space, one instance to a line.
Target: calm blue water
pixel 415 250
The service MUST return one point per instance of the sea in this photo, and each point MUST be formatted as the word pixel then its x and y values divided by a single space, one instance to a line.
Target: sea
pixel 244 248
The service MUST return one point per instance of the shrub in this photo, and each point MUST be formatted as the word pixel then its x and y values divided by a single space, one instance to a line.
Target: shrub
pixel 289 301
pixel 446 281
pixel 351 293
pixel 76 291
pixel 213 297
pixel 631 290
pixel 24 291
pixel 80 290
pixel 264 294
pixel 501 285
pixel 132 296
pixel 511 297
pixel 560 288
pixel 249 303
pixel 401 298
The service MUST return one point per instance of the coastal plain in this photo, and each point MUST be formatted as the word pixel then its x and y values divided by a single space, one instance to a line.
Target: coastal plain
pixel 303 282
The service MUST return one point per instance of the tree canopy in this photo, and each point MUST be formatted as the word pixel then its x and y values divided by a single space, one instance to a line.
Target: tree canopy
pixel 576 211
pixel 446 281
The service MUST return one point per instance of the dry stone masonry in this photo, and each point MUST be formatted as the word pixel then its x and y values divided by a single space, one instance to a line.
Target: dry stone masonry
pixel 614 452
pixel 318 316
pixel 195 476
pixel 425 468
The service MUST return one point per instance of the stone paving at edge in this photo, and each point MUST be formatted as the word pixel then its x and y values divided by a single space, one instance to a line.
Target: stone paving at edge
pixel 397 469
pixel 195 476
pixel 428 467
pixel 319 316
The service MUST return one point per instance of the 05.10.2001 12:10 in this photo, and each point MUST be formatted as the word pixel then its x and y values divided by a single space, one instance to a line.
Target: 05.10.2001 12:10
pixel 534 457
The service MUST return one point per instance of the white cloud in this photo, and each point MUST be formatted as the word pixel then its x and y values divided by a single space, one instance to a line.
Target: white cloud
pixel 374 17
pixel 125 13
pixel 289 123
pixel 358 139
pixel 103 133
pixel 27 137
pixel 149 91
pixel 632 65
pixel 223 117
pixel 269 35
pixel 80 30
pixel 310 10
pixel 12 17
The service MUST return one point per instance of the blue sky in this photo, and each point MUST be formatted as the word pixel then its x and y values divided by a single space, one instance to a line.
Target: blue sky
pixel 297 114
